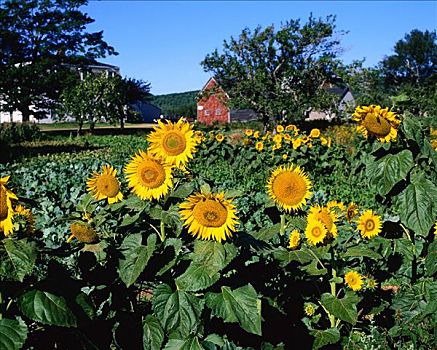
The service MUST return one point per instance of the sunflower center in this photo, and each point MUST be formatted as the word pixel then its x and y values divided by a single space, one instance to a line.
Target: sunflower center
pixel 174 143
pixel 289 187
pixel 377 125
pixel 370 225
pixel 210 213
pixel 83 233
pixel 352 280
pixel 3 204
pixel 316 231
pixel 152 174
pixel 108 185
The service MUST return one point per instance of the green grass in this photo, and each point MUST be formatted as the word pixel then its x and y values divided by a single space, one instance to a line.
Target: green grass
pixel 74 126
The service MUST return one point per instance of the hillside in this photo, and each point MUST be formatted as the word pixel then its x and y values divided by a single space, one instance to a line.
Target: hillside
pixel 177 104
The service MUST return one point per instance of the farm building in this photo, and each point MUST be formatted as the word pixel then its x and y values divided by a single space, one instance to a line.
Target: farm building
pixel 212 105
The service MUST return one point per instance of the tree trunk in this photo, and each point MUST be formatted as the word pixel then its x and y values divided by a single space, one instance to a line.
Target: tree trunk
pixel 79 130
pixel 25 115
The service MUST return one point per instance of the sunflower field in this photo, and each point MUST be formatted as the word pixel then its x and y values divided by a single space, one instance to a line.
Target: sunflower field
pixel 225 239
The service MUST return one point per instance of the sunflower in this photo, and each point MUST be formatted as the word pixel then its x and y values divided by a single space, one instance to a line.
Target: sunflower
pixel 6 211
pixel 291 127
pixel 279 128
pixel 219 137
pixel 315 133
pixel 326 216
pixel 369 224
pixel 277 138
pixel 27 215
pixel 105 185
pixel 256 134
pixel 371 283
pixel 173 142
pixel 149 177
pixel 315 232
pixel 294 240
pixel 297 143
pixel 335 204
pixel 289 187
pixel 248 132
pixel 326 141
pixel 199 137
pixel 259 146
pixel 310 309
pixel 83 232
pixel 209 216
pixel 376 121
pixel 285 156
pixel 354 280
pixel 352 211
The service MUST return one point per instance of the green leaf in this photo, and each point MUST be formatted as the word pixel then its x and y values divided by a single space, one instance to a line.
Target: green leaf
pixel 176 243
pixel 267 233
pixel 136 257
pixel 313 269
pixel 431 259
pixel 153 334
pixel 47 308
pixel 286 256
pixel 197 277
pixel 384 173
pixel 345 308
pixel 177 310
pixel 413 128
pixel 13 334
pixel 187 344
pixel 360 251
pixel 183 191
pixel 85 302
pixel 325 337
pixel 240 305
pixel 418 205
pixel 130 219
pixel 17 258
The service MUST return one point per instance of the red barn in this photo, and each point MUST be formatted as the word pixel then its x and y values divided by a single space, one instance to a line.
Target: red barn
pixel 212 104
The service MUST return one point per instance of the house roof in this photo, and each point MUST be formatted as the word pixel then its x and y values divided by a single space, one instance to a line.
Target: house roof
pixel 243 114
pixel 339 91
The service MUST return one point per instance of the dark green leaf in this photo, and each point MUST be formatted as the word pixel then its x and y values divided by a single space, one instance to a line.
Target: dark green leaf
pixel 187 344
pixel 287 256
pixel 47 308
pixel 431 259
pixel 177 310
pixel 267 233
pixel 17 258
pixel 197 277
pixel 325 337
pixel 153 334
pixel 361 251
pixel 345 308
pixel 418 205
pixel 136 257
pixel 183 190
pixel 313 269
pixel 384 173
pixel 240 305
pixel 13 334
pixel 130 219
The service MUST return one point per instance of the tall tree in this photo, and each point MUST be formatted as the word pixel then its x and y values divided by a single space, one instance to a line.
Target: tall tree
pixel 272 71
pixel 40 39
pixel 414 60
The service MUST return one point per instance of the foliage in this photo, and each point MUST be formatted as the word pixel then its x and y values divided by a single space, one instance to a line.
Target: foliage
pixel 272 71
pixel 147 282
pixel 178 104
pixel 40 39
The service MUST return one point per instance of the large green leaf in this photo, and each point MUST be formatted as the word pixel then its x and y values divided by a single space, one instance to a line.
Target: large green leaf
pixel 181 344
pixel 240 305
pixel 136 257
pixel 361 251
pixel 153 334
pixel 183 191
pixel 17 258
pixel 431 259
pixel 267 233
pixel 197 277
pixel 345 308
pixel 325 337
pixel 418 204
pixel 384 173
pixel 213 254
pixel 286 256
pixel 177 310
pixel 13 334
pixel 47 308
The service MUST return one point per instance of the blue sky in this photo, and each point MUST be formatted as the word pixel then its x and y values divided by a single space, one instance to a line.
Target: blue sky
pixel 163 42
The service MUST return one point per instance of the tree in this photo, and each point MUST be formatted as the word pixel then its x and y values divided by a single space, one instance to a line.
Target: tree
pixel 272 71
pixel 40 40
pixel 415 59
pixel 98 97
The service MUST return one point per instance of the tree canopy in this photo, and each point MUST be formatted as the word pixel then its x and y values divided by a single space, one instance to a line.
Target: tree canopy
pixel 38 40
pixel 272 71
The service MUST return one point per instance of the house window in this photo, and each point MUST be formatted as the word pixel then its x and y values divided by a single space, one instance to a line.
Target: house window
pixel 207 112
pixel 218 112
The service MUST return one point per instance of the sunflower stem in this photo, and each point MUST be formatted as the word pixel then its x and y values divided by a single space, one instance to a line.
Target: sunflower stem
pixel 1 302
pixel 162 231
pixel 333 293
pixel 282 229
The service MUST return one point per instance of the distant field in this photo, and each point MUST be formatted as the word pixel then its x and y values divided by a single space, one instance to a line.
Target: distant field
pixel 74 126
